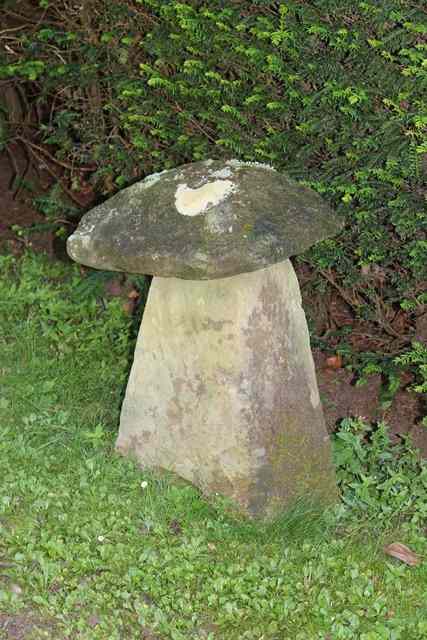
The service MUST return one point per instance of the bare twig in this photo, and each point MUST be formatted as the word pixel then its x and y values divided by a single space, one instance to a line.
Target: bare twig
pixel 61 163
pixel 381 319
pixel 195 123
pixel 69 193
pixel 23 26
pixel 354 303
pixel 12 160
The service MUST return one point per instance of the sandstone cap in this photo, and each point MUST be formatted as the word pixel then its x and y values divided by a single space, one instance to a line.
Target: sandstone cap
pixel 201 221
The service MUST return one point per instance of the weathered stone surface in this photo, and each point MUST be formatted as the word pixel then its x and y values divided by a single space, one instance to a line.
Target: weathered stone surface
pixel 204 220
pixel 223 390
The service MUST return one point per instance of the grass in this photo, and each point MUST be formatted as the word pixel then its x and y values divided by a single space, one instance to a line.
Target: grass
pixel 98 549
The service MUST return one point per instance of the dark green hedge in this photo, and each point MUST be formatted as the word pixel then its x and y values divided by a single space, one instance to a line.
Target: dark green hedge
pixel 333 92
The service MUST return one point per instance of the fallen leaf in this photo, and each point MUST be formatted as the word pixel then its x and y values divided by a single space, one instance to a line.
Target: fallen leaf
pixel 133 295
pixel 128 307
pixel 403 553
pixel 334 362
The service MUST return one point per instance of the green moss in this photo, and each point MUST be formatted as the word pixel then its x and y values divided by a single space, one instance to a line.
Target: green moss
pixel 309 466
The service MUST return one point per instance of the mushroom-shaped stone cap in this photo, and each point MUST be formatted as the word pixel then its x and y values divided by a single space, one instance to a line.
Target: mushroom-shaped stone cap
pixel 205 220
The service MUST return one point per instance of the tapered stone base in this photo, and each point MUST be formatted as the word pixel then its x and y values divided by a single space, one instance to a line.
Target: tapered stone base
pixel 223 391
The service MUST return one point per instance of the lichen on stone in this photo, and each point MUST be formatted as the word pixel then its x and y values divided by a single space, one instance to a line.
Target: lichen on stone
pixel 244 216
pixel 242 163
pixel 221 173
pixel 150 180
pixel 192 202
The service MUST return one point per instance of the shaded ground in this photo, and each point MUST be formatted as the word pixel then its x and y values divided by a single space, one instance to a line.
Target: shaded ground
pixel 340 397
pixel 26 626
pixel 16 209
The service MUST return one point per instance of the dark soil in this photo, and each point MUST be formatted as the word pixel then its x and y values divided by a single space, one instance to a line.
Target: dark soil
pixel 17 209
pixel 340 396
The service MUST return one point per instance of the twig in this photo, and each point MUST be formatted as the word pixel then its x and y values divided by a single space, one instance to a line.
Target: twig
pixel 69 193
pixel 15 167
pixel 22 124
pixel 17 179
pixel 23 26
pixel 354 304
pixel 383 322
pixel 24 175
pixel 27 21
pixel 62 221
pixel 61 163
pixel 25 107
pixel 196 123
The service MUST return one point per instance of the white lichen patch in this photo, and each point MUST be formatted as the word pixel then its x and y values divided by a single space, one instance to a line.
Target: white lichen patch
pixel 221 173
pixel 208 162
pixel 79 241
pixel 150 180
pixel 240 163
pixel 110 214
pixel 85 229
pixel 215 223
pixel 193 202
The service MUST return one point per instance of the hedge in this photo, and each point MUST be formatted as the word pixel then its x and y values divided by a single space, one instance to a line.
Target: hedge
pixel 332 92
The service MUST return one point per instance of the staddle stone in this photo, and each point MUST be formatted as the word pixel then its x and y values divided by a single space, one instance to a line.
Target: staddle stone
pixel 223 391
pixel 204 220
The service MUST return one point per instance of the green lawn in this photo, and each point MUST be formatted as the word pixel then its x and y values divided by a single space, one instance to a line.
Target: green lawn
pixel 93 547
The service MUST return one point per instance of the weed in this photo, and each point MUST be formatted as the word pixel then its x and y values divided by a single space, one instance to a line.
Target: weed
pixel 385 481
